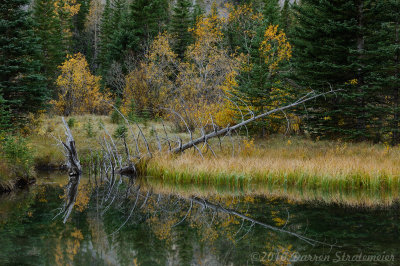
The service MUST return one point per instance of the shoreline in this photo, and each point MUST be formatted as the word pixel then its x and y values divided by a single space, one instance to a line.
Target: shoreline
pixel 279 162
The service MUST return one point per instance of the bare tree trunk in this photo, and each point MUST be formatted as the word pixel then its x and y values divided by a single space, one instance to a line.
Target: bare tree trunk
pixel 396 100
pixel 360 120
pixel 74 171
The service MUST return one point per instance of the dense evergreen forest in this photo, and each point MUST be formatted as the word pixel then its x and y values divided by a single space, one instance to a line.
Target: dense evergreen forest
pixel 79 56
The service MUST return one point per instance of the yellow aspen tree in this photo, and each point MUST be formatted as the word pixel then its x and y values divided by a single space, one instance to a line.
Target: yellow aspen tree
pixel 79 90
pixel 196 86
pixel 150 84
pixel 206 73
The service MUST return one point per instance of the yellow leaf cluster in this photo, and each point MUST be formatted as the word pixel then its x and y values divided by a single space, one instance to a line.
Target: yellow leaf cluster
pixel 68 7
pixel 79 90
pixel 352 82
pixel 242 13
pixel 275 47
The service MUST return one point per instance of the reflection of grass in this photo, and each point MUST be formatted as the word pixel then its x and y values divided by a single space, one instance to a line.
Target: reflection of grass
pixel 366 198
pixel 362 173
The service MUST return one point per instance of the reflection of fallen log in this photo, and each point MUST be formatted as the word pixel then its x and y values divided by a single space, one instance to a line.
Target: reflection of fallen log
pixel 166 205
pixel 216 207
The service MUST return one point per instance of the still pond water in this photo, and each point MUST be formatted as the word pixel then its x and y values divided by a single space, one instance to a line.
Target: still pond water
pixel 133 223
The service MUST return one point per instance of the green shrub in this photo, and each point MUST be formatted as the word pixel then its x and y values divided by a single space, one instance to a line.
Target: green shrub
pixel 100 124
pixel 71 122
pixel 18 154
pixel 90 133
pixel 120 131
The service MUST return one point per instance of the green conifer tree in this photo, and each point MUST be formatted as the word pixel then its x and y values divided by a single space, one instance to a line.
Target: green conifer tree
pixel 256 86
pixel 179 26
pixel 80 39
pixel 286 17
pixel 48 30
pixel 145 20
pixel 106 31
pixel 5 123
pixel 382 63
pixel 113 35
pixel 22 87
pixel 329 52
pixel 271 11
pixel 197 12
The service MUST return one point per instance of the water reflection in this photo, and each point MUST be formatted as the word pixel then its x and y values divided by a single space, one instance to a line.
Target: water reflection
pixel 122 221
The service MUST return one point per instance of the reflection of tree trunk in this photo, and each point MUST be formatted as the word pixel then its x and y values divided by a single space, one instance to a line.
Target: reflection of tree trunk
pixel 71 193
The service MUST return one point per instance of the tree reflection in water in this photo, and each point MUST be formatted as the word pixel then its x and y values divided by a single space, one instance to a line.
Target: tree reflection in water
pixel 122 221
pixel 212 218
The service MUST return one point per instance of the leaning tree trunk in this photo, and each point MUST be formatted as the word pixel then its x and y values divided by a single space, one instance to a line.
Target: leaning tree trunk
pixel 227 130
pixel 216 133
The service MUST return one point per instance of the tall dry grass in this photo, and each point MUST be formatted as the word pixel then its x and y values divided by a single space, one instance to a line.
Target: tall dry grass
pixel 332 168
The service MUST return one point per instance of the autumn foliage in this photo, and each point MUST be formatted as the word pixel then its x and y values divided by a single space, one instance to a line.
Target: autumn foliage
pixel 79 90
pixel 275 49
pixel 196 86
pixel 200 86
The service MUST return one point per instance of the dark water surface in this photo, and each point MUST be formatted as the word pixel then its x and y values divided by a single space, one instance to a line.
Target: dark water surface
pixel 131 223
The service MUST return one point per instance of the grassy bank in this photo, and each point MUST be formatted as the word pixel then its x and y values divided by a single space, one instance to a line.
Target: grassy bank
pixel 355 174
pixel 282 165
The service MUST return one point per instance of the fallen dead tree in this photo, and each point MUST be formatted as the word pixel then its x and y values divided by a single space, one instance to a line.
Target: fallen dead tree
pixel 205 137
